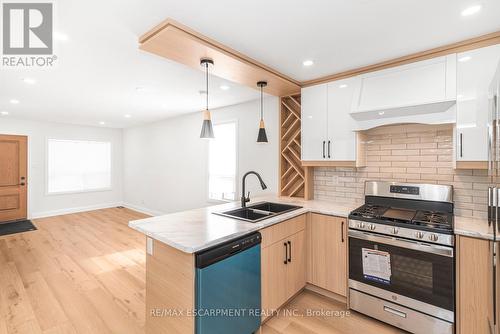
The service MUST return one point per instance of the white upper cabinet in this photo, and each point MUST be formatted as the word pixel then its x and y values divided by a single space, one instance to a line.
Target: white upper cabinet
pixel 314 122
pixel 341 145
pixel 423 87
pixel 327 127
pixel 475 72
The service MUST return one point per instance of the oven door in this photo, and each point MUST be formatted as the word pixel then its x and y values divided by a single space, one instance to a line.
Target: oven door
pixel 415 270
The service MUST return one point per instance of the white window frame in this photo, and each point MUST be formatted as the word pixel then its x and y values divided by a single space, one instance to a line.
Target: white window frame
pixel 236 186
pixel 111 183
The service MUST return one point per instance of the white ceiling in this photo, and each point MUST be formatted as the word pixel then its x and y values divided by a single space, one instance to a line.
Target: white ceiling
pixel 100 66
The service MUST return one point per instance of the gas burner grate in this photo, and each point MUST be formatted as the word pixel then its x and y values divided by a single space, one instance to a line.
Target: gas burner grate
pixel 369 211
pixel 433 219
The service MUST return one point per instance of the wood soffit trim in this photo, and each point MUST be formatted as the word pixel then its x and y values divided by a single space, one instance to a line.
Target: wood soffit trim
pixel 465 45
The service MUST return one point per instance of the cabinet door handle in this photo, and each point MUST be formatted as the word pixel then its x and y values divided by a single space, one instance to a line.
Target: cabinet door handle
pixel 342 231
pixel 286 253
pixel 461 145
pixel 323 149
pixel 328 149
pixel 494 257
pixel 289 251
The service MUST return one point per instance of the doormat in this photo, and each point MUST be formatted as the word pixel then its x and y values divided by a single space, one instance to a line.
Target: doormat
pixel 17 227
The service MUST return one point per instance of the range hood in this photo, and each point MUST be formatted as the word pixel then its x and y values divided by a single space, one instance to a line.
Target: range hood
pixel 404 110
pixel 421 92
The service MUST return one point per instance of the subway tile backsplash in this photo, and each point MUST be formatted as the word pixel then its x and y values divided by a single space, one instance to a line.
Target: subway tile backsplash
pixel 407 153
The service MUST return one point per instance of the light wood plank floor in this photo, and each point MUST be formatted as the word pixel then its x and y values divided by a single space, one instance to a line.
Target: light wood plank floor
pixel 78 273
pixel 85 273
pixel 302 316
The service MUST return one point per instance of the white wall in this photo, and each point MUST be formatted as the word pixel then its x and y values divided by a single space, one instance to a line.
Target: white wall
pixel 39 202
pixel 165 163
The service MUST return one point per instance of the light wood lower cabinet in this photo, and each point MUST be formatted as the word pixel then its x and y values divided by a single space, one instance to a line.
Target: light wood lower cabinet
pixel 474 285
pixel 283 264
pixel 328 253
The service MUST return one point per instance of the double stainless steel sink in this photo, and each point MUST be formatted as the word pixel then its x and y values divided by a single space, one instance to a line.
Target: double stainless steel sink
pixel 259 211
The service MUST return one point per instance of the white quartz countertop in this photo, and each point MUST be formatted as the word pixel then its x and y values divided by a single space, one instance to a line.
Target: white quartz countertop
pixel 194 230
pixel 473 227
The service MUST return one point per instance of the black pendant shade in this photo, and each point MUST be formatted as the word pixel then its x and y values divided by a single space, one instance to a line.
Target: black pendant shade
pixel 262 136
pixel 207 130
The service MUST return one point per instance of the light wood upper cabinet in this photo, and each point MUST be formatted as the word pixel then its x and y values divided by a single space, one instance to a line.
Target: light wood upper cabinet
pixel 475 72
pixel 474 285
pixel 328 253
pixel 327 127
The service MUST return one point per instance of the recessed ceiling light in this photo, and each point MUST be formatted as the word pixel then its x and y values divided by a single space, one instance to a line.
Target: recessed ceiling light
pixel 464 59
pixel 224 87
pixel 59 36
pixel 459 96
pixel 381 113
pixel 14 101
pixel 102 123
pixel 127 116
pixel 471 10
pixel 308 63
pixel 343 86
pixel 4 113
pixel 29 81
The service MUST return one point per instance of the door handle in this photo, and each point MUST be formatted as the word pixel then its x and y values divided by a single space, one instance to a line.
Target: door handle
pixel 286 253
pixel 328 149
pixel 461 145
pixel 342 231
pixel 22 184
pixel 494 258
pixel 323 149
pixel 289 251
pixel 394 311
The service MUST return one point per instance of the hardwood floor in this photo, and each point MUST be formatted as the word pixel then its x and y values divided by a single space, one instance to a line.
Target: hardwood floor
pixel 302 316
pixel 85 273
pixel 78 273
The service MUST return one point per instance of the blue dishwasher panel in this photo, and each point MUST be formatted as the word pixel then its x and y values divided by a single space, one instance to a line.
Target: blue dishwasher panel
pixel 231 285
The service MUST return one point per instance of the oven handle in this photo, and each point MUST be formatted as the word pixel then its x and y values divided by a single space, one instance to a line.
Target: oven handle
pixel 409 244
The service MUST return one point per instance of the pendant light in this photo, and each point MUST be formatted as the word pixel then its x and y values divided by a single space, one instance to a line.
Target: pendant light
pixel 262 137
pixel 207 131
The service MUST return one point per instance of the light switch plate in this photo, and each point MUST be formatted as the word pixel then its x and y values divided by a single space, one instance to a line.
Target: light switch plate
pixel 149 245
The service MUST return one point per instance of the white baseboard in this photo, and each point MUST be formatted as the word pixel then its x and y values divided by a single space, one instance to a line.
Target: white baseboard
pixel 142 209
pixel 59 212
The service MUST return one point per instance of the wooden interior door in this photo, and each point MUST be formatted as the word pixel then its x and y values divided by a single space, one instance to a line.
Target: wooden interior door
pixel 13 178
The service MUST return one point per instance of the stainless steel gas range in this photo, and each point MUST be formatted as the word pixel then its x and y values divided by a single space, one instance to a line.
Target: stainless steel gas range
pixel 401 256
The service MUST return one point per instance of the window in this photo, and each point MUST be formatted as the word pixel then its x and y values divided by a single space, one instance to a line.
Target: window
pixel 78 166
pixel 222 163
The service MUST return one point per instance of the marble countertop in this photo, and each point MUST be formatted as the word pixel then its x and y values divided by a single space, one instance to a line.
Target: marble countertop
pixel 473 227
pixel 194 230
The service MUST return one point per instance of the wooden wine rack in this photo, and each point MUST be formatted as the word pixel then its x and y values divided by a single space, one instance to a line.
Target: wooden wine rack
pixel 295 180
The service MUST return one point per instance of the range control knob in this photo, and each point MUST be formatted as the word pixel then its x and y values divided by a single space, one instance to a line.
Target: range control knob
pixel 360 225
pixel 372 227
pixel 419 235
pixel 433 237
pixel 394 230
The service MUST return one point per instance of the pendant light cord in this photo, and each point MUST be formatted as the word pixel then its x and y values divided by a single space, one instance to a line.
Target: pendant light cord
pixel 206 65
pixel 261 104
